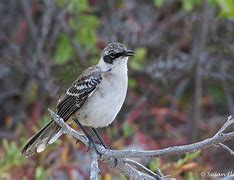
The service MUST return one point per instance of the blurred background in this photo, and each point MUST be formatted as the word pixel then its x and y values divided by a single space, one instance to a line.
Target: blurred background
pixel 181 84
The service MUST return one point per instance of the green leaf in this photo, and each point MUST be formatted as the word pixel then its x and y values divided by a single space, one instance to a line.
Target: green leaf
pixel 190 176
pixel 41 173
pixel 86 34
pixel 154 164
pixel 132 82
pixel 11 156
pixel 188 157
pixel 128 130
pixel 77 6
pixel 188 5
pixel 227 8
pixel 138 61
pixel 83 24
pixel 64 50
pixel 192 156
pixel 217 92
pixel 158 3
pixel 122 177
pixel 213 2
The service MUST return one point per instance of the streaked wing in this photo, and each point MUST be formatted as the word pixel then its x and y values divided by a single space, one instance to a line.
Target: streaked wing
pixel 77 94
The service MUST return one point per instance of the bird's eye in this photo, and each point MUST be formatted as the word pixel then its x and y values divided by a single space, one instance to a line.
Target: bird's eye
pixel 108 59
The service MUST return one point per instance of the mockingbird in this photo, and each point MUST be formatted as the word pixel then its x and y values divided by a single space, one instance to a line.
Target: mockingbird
pixel 95 97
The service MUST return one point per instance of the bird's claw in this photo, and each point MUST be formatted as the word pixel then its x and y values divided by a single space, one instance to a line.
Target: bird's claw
pixel 93 145
pixel 89 146
pixel 105 146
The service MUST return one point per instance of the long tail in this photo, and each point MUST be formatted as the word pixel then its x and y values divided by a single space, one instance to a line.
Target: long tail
pixel 45 136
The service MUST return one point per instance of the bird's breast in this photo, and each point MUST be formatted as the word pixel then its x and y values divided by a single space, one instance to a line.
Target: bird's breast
pixel 103 106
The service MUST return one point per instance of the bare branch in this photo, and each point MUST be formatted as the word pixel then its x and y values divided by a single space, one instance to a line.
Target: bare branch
pixel 118 164
pixel 137 164
pixel 42 34
pixel 32 26
pixel 116 158
pixel 216 139
pixel 68 130
pixel 228 123
pixel 199 54
pixel 226 148
pixel 94 170
pixel 167 177
pixel 125 168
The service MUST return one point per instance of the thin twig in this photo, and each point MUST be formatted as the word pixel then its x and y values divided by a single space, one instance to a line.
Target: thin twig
pixel 32 26
pixel 226 148
pixel 94 170
pixel 167 177
pixel 160 172
pixel 226 124
pixel 198 55
pixel 125 168
pixel 43 33
pixel 171 150
pixel 219 137
pixel 130 161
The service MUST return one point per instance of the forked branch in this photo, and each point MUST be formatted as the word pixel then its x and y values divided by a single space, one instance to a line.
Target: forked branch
pixel 118 158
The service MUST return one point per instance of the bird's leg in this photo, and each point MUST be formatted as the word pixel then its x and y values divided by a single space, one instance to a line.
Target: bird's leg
pixel 86 134
pixel 99 138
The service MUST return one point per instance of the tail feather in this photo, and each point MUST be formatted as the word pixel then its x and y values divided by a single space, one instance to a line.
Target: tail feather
pixel 56 136
pixel 40 140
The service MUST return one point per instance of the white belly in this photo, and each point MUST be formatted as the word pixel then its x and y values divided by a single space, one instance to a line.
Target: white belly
pixel 104 104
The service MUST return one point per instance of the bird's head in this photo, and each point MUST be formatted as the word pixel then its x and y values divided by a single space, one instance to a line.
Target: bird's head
pixel 114 55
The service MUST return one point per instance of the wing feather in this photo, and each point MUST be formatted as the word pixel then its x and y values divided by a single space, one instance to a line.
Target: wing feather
pixel 78 93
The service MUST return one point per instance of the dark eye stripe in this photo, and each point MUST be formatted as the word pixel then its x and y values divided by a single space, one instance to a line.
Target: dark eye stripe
pixel 118 55
pixel 111 56
pixel 115 55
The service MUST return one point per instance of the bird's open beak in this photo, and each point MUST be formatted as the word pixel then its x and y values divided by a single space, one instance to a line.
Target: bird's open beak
pixel 129 53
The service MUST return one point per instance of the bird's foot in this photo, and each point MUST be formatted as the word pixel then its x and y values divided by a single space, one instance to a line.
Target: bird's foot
pixel 93 145
pixel 104 145
pixel 89 146
pixel 100 138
